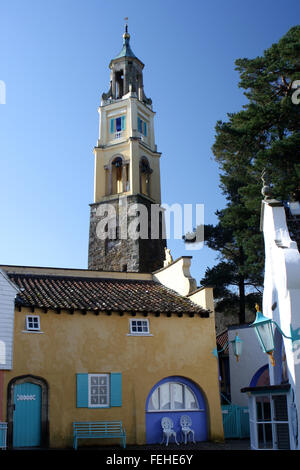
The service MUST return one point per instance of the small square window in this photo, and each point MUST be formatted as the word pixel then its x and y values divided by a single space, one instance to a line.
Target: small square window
pixel 139 327
pixel 33 322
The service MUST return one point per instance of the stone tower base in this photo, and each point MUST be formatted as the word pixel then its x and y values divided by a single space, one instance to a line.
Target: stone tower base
pixel 113 249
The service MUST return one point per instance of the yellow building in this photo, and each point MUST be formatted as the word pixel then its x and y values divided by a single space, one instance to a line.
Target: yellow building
pixel 146 349
pixel 129 339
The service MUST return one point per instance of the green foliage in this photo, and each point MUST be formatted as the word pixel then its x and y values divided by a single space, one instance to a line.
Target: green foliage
pixel 263 136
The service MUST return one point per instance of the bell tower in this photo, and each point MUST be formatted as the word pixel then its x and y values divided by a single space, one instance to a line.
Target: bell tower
pixel 127 175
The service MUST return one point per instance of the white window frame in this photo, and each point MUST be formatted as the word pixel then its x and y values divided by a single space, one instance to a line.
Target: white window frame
pixel 254 421
pixel 139 333
pixel 98 405
pixel 32 319
pixel 174 410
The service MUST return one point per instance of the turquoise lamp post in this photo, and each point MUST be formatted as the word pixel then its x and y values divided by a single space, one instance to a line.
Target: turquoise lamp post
pixel 264 331
pixel 236 346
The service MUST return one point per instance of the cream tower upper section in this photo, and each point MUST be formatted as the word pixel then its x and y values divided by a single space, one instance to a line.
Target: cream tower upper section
pixel 126 157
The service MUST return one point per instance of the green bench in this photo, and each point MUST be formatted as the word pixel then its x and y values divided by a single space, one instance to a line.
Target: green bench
pixel 98 430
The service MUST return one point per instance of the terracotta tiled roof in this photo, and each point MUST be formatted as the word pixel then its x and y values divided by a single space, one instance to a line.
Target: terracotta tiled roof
pixel 222 339
pixel 98 295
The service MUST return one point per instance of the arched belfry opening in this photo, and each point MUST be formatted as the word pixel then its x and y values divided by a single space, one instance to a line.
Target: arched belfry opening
pixel 117 176
pixel 145 177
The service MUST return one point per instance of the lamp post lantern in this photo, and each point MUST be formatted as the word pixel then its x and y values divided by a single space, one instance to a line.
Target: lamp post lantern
pixel 237 345
pixel 264 331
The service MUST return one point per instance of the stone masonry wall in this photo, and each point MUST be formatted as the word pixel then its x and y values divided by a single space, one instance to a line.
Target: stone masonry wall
pixel 123 254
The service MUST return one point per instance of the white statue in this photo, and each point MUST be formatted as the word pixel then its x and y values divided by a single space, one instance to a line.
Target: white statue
pixel 168 257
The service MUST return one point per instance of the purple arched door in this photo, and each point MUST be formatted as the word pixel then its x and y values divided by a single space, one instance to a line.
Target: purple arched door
pixel 173 397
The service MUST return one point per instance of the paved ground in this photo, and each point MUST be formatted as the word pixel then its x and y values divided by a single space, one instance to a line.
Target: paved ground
pixel 228 444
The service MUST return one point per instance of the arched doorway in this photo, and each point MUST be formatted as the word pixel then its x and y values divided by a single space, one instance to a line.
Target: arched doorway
pixel 261 377
pixel 172 397
pixel 27 412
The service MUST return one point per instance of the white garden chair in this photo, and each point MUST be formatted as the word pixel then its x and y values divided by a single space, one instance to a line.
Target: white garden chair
pixel 168 431
pixel 186 430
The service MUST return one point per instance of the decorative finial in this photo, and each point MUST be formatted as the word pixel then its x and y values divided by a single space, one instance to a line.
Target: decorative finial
pixel 168 257
pixel 126 35
pixel 266 190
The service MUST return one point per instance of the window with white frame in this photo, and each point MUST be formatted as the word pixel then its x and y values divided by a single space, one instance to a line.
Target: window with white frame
pixel 173 396
pixel 139 327
pixel 98 392
pixel 33 323
pixel 269 423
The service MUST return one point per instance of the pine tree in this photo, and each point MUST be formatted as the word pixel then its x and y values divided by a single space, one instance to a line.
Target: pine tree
pixel 264 137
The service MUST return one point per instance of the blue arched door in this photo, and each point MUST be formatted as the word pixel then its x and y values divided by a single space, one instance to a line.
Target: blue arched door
pixel 173 397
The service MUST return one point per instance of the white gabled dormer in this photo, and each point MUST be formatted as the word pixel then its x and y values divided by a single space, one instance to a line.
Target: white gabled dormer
pixel 8 292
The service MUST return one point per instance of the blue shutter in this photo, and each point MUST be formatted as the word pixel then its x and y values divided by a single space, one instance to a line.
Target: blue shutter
pixel 145 129
pixel 112 126
pixel 116 389
pixel 123 123
pixel 82 391
pixel 139 124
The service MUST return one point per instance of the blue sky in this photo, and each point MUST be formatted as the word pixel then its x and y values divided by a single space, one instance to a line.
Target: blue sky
pixel 54 58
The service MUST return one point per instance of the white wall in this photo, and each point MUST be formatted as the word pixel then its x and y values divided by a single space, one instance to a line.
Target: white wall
pixel 7 307
pixel 251 359
pixel 281 299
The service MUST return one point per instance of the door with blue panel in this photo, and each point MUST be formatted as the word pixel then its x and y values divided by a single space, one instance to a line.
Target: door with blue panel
pixel 27 415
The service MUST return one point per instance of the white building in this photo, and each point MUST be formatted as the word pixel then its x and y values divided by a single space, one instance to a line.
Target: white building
pixel 8 292
pixel 252 367
pixel 274 409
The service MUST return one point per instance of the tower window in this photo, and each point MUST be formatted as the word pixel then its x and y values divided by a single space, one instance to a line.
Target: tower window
pixel 142 127
pixel 119 84
pixel 117 125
